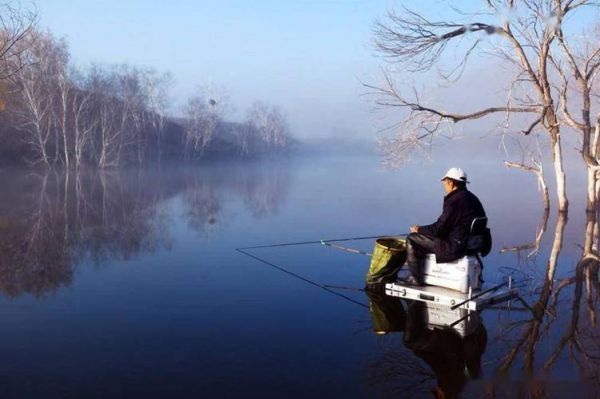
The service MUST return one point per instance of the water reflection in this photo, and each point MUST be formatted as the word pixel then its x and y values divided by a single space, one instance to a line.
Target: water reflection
pixel 557 338
pixel 531 249
pixel 531 331
pixel 52 222
pixel 446 357
pixel 204 209
pixel 53 225
pixel 555 333
pixel 34 254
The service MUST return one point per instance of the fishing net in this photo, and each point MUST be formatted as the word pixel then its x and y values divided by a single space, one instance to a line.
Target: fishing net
pixel 389 255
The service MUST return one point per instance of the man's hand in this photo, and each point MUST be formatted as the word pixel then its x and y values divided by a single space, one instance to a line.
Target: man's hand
pixel 414 228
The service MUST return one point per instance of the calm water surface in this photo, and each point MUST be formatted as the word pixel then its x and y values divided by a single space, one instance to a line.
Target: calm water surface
pixel 128 284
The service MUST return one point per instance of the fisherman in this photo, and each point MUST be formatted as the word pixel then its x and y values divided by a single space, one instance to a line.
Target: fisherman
pixel 447 237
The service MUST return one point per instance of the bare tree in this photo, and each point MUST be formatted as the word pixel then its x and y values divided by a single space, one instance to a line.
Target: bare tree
pixel 130 91
pixel 578 64
pixel 36 116
pixel 36 87
pixel 83 124
pixel 157 103
pixel 204 112
pixel 107 139
pixel 270 124
pixel 121 107
pixel 61 111
pixel 527 41
pixel 245 137
pixel 62 87
pixel 16 24
pixel 531 161
pixel 198 130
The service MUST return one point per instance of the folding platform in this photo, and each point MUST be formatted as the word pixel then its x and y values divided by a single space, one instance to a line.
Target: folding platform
pixel 475 300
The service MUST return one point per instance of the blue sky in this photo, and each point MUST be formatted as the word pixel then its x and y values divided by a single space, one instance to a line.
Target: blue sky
pixel 305 55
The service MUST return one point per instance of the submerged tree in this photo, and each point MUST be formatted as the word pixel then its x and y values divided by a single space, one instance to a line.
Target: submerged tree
pixel 529 37
pixel 579 65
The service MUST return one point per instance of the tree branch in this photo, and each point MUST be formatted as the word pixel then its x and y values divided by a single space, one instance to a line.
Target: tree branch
pixel 395 99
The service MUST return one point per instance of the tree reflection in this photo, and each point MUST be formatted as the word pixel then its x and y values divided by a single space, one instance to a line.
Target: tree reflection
pixel 532 248
pixel 203 206
pixel 557 320
pixel 34 254
pixel 263 191
pixel 51 223
pixel 261 188
pixel 531 334
pixel 580 339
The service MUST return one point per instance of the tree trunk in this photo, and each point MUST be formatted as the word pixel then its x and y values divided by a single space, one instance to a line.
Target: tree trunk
pixel 64 132
pixel 597 188
pixel 592 190
pixel 66 150
pixel 56 148
pixel 588 245
pixel 561 178
pixel 63 88
pixel 41 141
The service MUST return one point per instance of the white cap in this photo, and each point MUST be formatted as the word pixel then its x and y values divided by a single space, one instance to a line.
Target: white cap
pixel 456 174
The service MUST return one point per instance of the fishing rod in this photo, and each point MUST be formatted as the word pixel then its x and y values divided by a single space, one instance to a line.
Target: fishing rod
pixel 465 317
pixel 494 288
pixel 324 287
pixel 343 287
pixel 352 250
pixel 287 244
pixel 526 308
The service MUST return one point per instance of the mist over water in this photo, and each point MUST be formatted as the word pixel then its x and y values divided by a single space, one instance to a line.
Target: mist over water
pixel 127 283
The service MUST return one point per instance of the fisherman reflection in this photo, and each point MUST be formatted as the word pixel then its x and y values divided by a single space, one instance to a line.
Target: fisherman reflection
pixel 454 354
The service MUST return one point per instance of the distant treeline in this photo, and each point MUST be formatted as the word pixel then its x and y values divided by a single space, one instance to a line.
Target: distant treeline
pixel 52 113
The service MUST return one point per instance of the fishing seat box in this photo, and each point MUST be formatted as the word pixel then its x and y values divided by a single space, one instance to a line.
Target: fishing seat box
pixel 459 275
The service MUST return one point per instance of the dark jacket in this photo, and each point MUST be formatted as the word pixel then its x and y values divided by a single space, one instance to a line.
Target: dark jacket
pixel 451 230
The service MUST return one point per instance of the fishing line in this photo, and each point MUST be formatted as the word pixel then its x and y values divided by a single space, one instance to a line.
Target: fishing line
pixel 306 280
pixel 287 244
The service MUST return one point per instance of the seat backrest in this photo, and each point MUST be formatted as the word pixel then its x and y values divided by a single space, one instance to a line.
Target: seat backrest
pixel 475 241
pixel 478 225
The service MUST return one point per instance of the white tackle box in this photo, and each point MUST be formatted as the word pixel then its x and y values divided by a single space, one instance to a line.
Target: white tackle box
pixel 460 275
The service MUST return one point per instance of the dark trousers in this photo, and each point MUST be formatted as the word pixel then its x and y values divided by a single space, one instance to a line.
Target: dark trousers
pixel 417 246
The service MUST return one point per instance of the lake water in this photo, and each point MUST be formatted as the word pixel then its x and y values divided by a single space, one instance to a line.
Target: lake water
pixel 128 284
